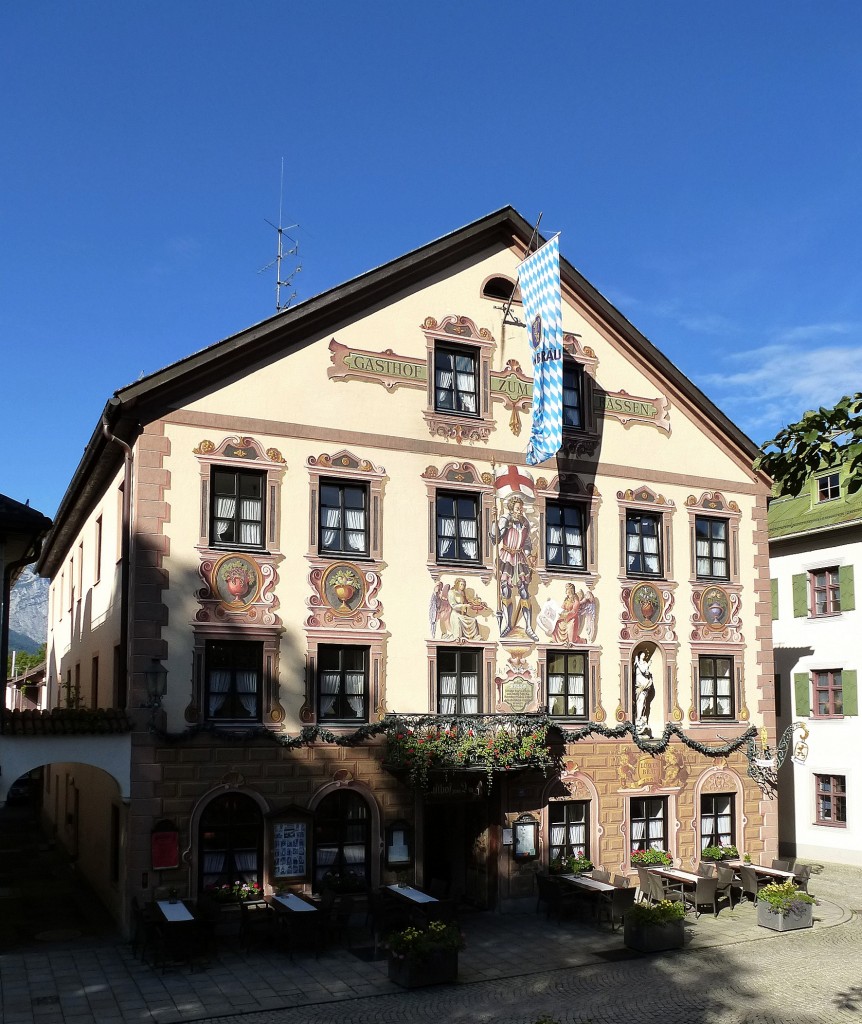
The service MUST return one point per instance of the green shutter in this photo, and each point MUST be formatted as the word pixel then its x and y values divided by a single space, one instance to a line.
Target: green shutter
pixel 774 585
pixel 800 595
pixel 845 581
pixel 848 682
pixel 803 699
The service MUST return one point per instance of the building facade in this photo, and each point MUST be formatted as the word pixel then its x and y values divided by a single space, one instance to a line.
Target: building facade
pixel 815 549
pixel 321 540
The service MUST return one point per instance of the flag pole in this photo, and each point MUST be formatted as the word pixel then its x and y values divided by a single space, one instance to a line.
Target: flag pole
pixel 533 237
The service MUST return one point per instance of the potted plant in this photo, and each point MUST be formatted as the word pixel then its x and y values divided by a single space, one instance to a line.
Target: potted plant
pixel 577 864
pixel 651 927
pixel 784 908
pixel 724 852
pixel 651 858
pixel 425 956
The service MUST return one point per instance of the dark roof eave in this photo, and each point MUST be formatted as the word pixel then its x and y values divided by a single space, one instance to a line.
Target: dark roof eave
pixel 165 389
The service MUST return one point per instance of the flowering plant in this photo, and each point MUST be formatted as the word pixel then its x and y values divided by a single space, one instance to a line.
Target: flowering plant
pixel 646 857
pixel 230 892
pixel 719 852
pixel 420 943
pixel 664 912
pixel 784 897
pixel 343 882
pixel 467 745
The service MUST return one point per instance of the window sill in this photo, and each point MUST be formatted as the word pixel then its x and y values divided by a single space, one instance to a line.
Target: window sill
pixel 343 556
pixel 827 718
pixel 824 615
pixel 353 723
pixel 830 824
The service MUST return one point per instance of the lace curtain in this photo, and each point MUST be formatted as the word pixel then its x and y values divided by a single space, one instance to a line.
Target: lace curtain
pixel 446 536
pixel 246 689
pixel 224 513
pixel 329 686
pixel 354 684
pixel 469 542
pixel 219 685
pixel 249 527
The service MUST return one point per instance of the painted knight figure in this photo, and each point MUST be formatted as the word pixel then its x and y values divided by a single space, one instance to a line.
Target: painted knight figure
pixel 512 532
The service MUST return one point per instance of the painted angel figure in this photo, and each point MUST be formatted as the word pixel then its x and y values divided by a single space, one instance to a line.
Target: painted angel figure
pixel 439 609
pixel 463 612
pixel 576 620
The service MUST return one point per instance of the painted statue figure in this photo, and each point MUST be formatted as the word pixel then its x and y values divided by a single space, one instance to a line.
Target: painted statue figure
pixel 644 693
pixel 462 616
pixel 516 560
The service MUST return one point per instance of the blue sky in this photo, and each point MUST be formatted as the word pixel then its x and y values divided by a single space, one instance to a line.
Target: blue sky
pixel 701 161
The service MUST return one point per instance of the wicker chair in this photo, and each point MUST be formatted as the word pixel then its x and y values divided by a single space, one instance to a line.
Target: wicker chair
pixel 781 865
pixel 802 877
pixel 622 881
pixel 614 904
pixel 706 869
pixel 704 892
pixel 726 883
pixel 600 876
pixel 750 882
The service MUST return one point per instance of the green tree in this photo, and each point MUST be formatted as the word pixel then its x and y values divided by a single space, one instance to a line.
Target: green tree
pixel 822 439
pixel 24 662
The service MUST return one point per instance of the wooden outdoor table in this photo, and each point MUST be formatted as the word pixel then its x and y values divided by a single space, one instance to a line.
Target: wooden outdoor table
pixel 176 912
pixel 289 901
pixel 584 882
pixel 760 869
pixel 409 893
pixel 676 875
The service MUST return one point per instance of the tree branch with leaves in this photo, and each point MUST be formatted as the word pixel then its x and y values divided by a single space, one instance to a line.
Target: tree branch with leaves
pixel 822 439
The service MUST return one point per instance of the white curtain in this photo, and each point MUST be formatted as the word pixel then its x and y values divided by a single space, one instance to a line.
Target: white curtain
pixel 577 836
pixel 470 693
pixel 638 832
pixel 246 864
pixel 331 526
pixel 354 854
pixel 656 830
pixel 246 688
pixel 448 690
pixel 445 536
pixel 469 538
pixel 329 685
pixel 558 836
pixel 554 540
pixel 355 523
pixel 326 855
pixel 575 545
pixel 224 512
pixel 213 862
pixel 219 684
pixel 466 382
pixel 355 688
pixel 445 380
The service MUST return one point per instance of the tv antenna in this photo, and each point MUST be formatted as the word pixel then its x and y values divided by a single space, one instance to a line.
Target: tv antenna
pixel 281 253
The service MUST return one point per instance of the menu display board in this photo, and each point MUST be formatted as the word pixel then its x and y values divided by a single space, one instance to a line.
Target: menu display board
pixel 290 849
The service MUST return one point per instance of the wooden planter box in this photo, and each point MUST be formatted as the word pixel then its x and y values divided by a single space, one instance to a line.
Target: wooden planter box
pixel 767 918
pixel 439 969
pixel 652 938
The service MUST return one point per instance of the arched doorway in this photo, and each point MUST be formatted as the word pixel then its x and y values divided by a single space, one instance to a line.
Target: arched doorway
pixel 230 842
pixel 342 841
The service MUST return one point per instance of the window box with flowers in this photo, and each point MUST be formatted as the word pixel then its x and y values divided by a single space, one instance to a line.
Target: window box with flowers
pixel 784 908
pixel 652 927
pixel 233 892
pixel 498 745
pixel 425 956
pixel 651 858
pixel 573 865
pixel 719 852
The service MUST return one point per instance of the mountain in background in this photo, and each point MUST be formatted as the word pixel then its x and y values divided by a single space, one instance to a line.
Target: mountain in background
pixel 28 612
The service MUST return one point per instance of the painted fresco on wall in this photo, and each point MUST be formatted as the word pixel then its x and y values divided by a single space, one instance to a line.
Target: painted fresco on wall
pixel 647 613
pixel 237 581
pixel 716 615
pixel 237 588
pixel 344 596
pixel 343 588
pixel 515 536
pixel 646 605
pixel 517 689
pixel 455 610
pixel 573 621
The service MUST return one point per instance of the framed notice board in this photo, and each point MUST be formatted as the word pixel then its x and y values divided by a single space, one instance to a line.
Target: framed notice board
pixel 289 844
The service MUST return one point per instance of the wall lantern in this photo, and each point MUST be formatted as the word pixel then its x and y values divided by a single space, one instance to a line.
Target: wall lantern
pixel 157 683
pixel 399 848
pixel 525 845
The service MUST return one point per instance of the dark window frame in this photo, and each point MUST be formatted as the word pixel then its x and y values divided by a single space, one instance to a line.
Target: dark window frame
pixel 639 516
pixel 710 522
pixel 235 820
pixel 460 557
pixel 570 677
pixel 248 656
pixel 341 703
pixel 563 563
pixel 824 593
pixel 459 656
pixel 641 804
pixel 574 417
pixel 572 813
pixel 335 826
pixel 341 549
pixel 708 705
pixel 834 691
pixel 831 789
pixel 713 836
pixel 237 519
pixel 453 352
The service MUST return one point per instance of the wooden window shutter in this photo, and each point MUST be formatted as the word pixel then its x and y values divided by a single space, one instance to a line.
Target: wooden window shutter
pixel 803 697
pixel 800 595
pixel 774 585
pixel 845 581
pixel 848 682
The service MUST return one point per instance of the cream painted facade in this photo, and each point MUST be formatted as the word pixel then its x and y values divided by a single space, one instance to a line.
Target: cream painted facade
pixel 276 405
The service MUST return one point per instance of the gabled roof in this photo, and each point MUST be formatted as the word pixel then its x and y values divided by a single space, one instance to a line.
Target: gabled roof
pixel 793 517
pixel 171 387
pixel 22 529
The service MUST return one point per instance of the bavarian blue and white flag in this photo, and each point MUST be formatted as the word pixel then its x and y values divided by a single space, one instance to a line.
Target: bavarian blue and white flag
pixel 539 276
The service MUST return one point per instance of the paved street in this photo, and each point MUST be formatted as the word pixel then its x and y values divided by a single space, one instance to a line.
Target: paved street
pixel 515 968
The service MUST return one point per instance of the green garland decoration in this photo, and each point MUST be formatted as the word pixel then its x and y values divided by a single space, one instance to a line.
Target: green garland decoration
pixel 490 742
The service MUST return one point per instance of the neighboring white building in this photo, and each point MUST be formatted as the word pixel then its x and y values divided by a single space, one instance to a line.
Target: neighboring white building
pixel 815 544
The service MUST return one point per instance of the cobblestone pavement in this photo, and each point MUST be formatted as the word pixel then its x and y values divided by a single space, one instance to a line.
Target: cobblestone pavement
pixel 515 969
